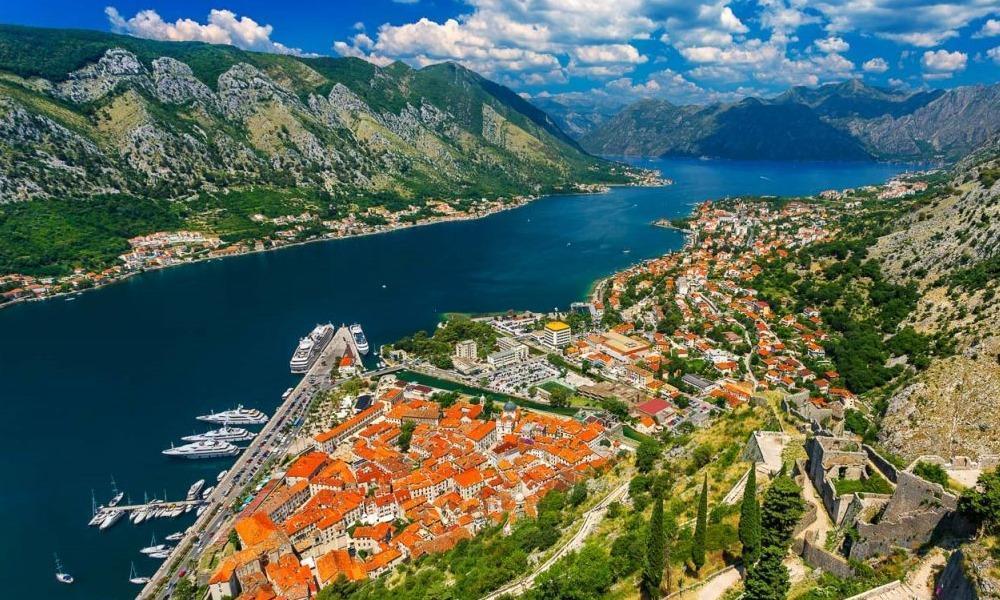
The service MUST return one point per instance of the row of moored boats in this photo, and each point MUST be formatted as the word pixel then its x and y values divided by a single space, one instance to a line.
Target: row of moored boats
pixel 221 442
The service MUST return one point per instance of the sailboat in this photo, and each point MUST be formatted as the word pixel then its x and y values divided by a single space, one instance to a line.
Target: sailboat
pixel 153 547
pixel 116 496
pixel 97 516
pixel 133 577
pixel 61 575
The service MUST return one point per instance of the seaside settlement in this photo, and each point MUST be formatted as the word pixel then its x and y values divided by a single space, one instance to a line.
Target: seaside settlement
pixel 487 415
pixel 259 232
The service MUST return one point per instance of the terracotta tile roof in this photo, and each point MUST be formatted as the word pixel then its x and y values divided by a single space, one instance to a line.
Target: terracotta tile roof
pixel 335 562
pixel 255 529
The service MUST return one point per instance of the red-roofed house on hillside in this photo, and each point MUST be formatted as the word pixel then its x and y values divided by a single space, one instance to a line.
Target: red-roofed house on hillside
pixel 657 408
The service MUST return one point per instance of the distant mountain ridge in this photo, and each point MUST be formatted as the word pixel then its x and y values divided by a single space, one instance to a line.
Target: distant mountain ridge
pixel 87 112
pixel 844 121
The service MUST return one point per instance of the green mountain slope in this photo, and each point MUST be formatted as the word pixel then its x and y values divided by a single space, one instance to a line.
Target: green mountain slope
pixel 86 112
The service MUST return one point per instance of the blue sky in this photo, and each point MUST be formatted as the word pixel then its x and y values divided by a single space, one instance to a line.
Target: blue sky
pixel 606 50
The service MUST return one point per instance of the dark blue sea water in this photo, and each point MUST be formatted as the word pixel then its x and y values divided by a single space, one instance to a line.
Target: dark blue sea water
pixel 98 386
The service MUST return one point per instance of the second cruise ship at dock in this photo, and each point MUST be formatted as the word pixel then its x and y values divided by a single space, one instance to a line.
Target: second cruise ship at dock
pixel 359 338
pixel 310 347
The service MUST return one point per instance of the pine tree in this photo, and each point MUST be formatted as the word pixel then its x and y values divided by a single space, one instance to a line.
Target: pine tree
pixel 750 520
pixel 700 526
pixel 652 572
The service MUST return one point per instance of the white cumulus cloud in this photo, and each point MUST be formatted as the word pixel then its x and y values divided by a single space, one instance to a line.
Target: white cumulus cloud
pixel 223 27
pixel 994 54
pixel 922 23
pixel 941 64
pixel 523 41
pixel 832 44
pixel 875 65
pixel 991 28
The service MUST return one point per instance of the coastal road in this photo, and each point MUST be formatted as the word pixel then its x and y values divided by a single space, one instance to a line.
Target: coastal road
pixel 590 521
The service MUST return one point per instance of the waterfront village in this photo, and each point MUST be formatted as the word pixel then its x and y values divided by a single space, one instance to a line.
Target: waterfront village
pixel 170 248
pixel 509 407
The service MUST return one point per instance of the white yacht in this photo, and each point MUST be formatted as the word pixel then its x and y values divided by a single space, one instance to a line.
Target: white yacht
pixel 221 474
pixel 133 577
pixel 224 433
pixel 310 347
pixel 208 492
pixel 112 517
pixel 236 416
pixel 175 537
pixel 359 338
pixel 61 575
pixel 209 449
pixel 161 554
pixel 195 488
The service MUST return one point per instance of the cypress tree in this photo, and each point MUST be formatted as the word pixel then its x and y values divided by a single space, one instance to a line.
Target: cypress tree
pixel 652 572
pixel 768 578
pixel 700 526
pixel 783 506
pixel 750 520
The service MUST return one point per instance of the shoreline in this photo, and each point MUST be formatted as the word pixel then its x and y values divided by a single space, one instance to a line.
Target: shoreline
pixel 324 238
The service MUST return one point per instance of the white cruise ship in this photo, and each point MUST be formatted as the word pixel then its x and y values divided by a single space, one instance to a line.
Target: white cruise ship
pixel 310 347
pixel 204 449
pixel 236 416
pixel 359 338
pixel 224 434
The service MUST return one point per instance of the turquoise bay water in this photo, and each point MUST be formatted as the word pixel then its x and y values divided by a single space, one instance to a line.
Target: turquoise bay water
pixel 98 386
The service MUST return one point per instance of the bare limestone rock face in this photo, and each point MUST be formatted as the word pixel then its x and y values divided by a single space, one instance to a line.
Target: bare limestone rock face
pixel 95 81
pixel 244 88
pixel 953 409
pixel 175 83
pixel 70 160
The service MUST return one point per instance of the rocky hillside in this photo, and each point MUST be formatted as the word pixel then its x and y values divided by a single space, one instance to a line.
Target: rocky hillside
pixel 950 248
pixel 85 113
pixel 847 121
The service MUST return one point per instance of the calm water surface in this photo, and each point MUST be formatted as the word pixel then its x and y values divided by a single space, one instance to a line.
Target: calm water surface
pixel 97 387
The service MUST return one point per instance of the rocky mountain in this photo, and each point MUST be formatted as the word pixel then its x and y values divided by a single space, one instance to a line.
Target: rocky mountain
pixel 846 121
pixel 85 112
pixel 950 248
pixel 577 114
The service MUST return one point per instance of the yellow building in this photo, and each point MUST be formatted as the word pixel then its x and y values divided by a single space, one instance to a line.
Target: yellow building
pixel 557 334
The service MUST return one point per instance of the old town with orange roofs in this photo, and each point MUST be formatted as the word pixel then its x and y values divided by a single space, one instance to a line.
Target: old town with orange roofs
pixel 662 346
